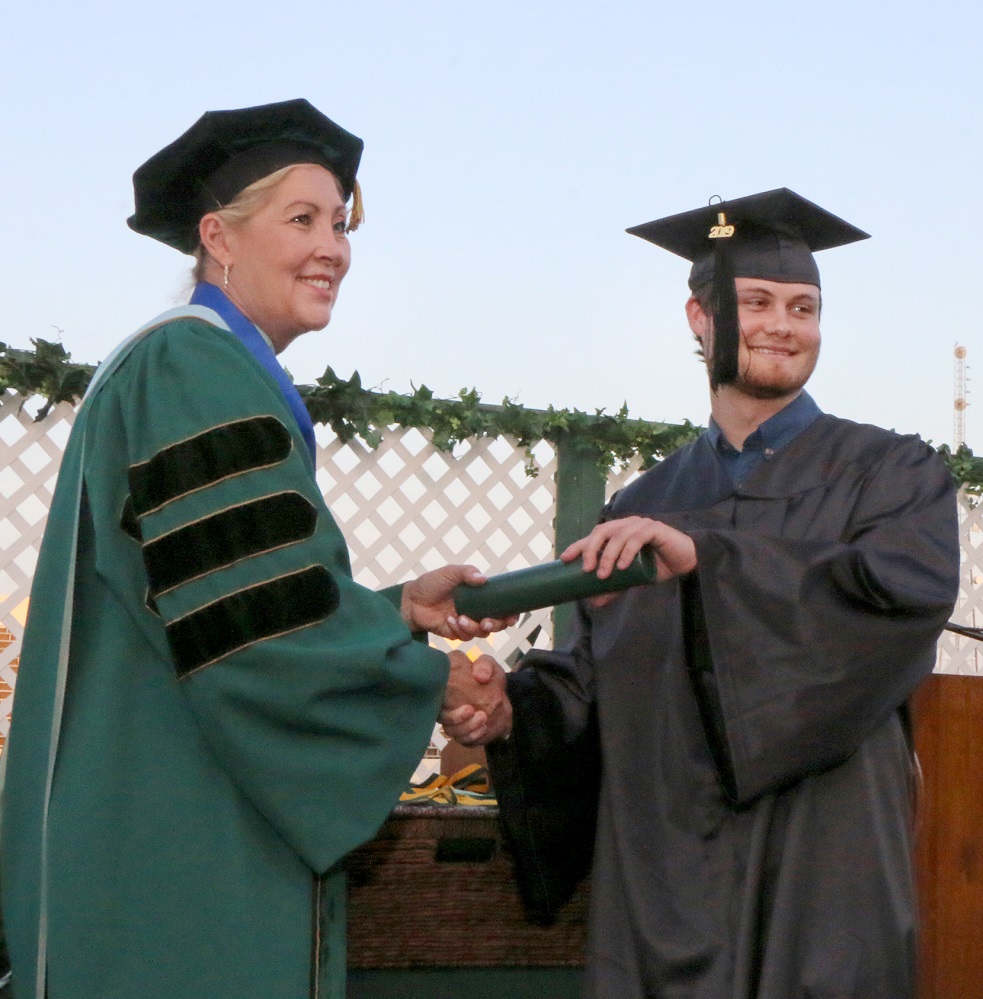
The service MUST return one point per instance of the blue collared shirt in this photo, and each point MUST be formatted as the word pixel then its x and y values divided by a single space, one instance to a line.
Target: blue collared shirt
pixel 767 440
pixel 212 297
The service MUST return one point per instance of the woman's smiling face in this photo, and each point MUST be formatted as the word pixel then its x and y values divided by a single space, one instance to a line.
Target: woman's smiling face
pixel 288 259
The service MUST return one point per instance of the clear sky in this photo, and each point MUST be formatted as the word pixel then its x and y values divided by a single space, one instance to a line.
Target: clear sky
pixel 508 145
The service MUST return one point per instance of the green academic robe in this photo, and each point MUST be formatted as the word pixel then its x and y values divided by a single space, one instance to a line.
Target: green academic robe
pixel 238 713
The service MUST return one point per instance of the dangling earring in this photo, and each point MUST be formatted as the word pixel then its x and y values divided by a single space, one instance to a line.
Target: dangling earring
pixel 226 275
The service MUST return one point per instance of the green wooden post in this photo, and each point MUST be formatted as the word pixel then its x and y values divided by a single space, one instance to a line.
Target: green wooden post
pixel 580 486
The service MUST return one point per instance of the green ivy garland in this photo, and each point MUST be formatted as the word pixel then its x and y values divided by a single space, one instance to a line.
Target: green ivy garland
pixel 350 410
pixel 48 371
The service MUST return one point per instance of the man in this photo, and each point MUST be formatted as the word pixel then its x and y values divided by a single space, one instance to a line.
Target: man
pixel 754 811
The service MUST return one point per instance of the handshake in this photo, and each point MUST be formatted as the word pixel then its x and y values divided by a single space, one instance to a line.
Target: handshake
pixel 476 708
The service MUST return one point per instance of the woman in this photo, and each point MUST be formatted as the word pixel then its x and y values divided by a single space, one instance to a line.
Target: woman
pixel 229 712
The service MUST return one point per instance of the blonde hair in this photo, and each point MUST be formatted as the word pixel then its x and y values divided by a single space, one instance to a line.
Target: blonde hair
pixel 252 198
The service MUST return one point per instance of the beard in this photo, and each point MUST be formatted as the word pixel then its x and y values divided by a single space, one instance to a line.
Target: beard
pixel 761 382
pixel 767 389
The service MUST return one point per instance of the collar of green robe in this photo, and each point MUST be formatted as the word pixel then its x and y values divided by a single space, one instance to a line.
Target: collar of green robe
pixel 226 151
pixel 771 236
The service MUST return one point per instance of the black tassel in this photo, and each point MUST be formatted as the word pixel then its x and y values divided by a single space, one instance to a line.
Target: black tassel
pixel 726 325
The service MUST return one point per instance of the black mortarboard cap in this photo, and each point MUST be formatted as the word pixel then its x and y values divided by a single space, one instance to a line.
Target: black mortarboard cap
pixel 226 151
pixel 771 236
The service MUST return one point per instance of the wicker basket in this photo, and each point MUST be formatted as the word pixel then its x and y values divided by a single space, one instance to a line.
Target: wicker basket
pixel 434 889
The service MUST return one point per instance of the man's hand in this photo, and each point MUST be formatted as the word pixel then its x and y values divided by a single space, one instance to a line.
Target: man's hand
pixel 615 543
pixel 476 708
pixel 428 605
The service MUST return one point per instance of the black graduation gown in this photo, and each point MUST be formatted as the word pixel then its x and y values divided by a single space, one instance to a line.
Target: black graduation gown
pixel 754 815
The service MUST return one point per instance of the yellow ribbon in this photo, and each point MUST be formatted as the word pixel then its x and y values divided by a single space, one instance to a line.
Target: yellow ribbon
pixel 469 786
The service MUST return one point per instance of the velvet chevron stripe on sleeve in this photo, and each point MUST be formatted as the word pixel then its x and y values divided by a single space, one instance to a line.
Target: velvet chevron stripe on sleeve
pixel 275 607
pixel 226 537
pixel 207 458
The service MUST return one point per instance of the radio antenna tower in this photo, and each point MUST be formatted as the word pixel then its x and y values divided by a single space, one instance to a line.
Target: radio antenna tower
pixel 959 403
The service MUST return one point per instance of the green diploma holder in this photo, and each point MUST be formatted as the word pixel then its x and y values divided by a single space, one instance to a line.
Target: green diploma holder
pixel 547 585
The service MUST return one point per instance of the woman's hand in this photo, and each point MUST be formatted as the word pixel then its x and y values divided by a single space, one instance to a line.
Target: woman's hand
pixel 476 709
pixel 615 543
pixel 428 605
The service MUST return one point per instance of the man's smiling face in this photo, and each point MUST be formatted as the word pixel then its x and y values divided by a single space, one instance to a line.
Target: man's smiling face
pixel 779 337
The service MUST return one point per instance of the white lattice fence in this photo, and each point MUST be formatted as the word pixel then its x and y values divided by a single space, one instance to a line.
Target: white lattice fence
pixel 404 508
pixel 31 457
pixel 957 654
pixel 407 507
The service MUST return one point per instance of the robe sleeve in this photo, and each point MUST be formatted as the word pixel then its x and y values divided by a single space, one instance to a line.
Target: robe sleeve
pixel 547 776
pixel 306 686
pixel 799 649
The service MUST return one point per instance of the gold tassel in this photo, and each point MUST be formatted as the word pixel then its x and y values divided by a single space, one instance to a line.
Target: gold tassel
pixel 357 216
